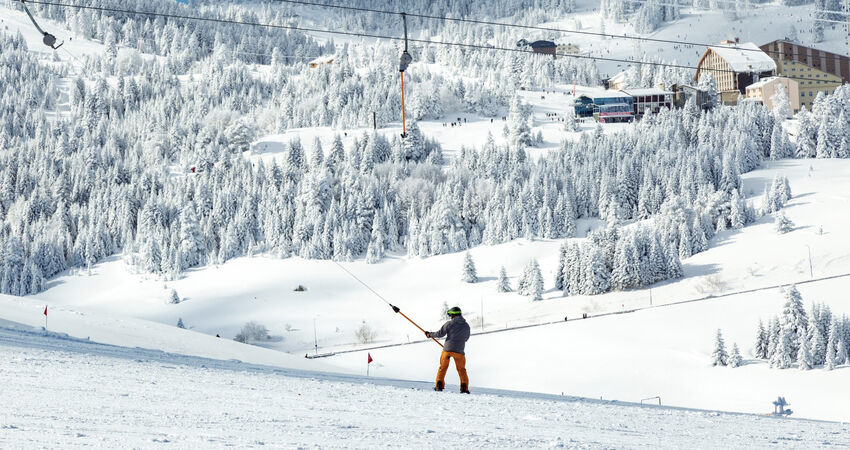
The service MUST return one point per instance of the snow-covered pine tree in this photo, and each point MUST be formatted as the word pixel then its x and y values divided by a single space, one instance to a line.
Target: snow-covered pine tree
pixel 795 321
pixel 173 298
pixel 804 356
pixel 180 323
pixel 818 337
pixel 831 347
pixel 562 262
pixel 719 357
pixel 469 274
pixel 781 104
pixel 783 357
pixel 709 85
pixel 597 276
pixel 444 311
pixel 781 223
pixel 841 352
pixel 520 132
pixel 524 280
pixel 735 358
pixel 762 341
pixel 536 287
pixel 504 285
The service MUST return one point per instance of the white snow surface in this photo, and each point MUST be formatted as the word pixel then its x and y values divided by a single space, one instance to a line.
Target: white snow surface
pixel 61 392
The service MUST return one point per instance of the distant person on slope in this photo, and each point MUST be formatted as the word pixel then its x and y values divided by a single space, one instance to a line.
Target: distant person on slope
pixel 456 331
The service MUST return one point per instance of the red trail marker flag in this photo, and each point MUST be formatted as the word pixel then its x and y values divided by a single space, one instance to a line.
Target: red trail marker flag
pixel 368 361
pixel 45 310
pixel 45 317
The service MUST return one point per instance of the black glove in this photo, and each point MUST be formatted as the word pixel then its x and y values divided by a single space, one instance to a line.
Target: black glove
pixel 427 334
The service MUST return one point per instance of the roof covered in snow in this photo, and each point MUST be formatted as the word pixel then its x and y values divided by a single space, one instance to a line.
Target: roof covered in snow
pixel 764 81
pixel 619 77
pixel 646 91
pixel 607 94
pixel 747 57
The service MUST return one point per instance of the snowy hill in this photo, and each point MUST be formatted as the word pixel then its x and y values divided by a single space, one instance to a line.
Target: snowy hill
pixel 161 172
pixel 70 393
pixel 662 351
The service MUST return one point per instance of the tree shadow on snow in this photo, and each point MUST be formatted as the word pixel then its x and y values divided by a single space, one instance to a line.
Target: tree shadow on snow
pixel 696 270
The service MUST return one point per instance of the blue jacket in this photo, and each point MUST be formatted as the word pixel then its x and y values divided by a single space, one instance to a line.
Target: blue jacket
pixel 456 331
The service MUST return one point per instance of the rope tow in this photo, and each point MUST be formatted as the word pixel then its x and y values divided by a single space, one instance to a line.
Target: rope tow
pixel 395 308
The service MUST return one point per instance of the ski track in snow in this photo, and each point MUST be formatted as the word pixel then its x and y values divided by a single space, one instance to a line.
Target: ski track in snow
pixel 67 393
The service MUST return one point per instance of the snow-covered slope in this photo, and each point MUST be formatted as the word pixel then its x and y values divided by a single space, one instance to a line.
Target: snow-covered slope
pixel 116 329
pixel 662 352
pixel 65 393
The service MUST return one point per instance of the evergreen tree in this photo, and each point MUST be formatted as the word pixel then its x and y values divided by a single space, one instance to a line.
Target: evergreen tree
pixel 773 339
pixel 180 323
pixel 719 357
pixel 841 352
pixel 536 283
pixel 504 284
pixel 762 341
pixel 173 298
pixel 831 347
pixel 781 223
pixel 708 85
pixel 562 262
pixel 783 357
pixel 596 273
pixel 817 344
pixel 794 320
pixel 781 104
pixel 804 356
pixel 735 359
pixel 469 274
pixel 520 132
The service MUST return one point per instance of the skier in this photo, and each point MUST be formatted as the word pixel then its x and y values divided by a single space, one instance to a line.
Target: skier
pixel 456 331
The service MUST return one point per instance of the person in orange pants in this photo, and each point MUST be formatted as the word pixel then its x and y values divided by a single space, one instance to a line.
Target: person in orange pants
pixel 456 332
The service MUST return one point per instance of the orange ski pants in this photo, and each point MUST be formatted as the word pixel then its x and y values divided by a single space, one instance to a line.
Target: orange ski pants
pixel 460 364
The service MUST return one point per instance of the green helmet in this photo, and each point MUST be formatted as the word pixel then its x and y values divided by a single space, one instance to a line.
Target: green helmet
pixel 454 311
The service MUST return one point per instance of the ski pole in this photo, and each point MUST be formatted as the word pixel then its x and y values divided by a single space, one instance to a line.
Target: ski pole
pixel 395 308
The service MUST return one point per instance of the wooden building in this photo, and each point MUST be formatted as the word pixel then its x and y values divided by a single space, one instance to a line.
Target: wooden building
pixel 824 70
pixel 735 66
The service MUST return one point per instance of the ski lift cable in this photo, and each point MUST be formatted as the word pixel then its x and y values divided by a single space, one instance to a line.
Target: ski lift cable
pixel 529 27
pixel 46 38
pixel 392 38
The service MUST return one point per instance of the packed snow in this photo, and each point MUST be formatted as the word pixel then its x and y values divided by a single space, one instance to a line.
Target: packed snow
pixel 76 393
